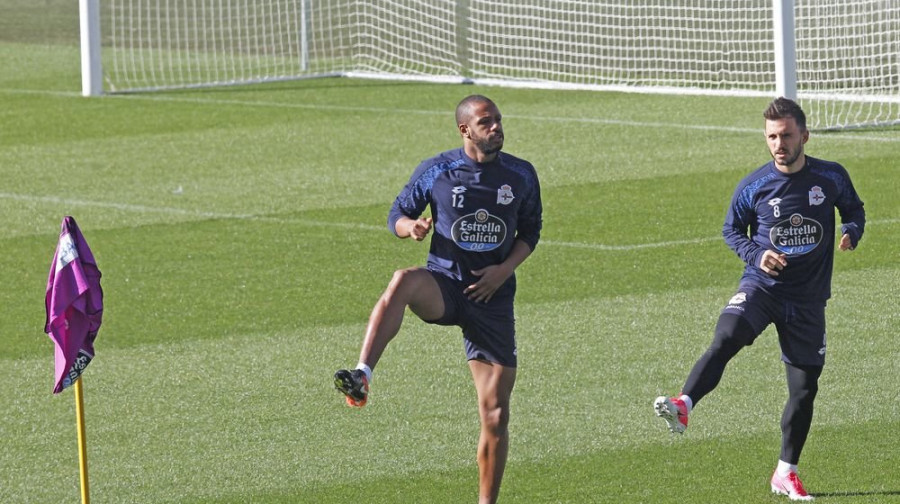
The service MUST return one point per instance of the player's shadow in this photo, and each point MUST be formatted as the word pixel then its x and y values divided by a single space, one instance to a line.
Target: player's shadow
pixel 882 493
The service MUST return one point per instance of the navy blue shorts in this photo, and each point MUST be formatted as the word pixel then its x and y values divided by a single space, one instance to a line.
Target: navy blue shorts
pixel 800 326
pixel 489 329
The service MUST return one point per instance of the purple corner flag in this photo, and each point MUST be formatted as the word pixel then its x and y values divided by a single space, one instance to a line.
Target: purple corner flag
pixel 74 303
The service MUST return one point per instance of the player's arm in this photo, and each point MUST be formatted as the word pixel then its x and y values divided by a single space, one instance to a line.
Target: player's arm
pixel 769 261
pixel 853 215
pixel 417 229
pixel 405 217
pixel 493 277
pixel 735 231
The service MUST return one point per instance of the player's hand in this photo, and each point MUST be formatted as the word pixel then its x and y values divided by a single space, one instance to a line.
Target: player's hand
pixel 420 228
pixel 846 243
pixel 772 262
pixel 492 277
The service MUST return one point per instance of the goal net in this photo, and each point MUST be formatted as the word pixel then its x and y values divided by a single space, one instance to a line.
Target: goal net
pixel 848 61
pixel 847 64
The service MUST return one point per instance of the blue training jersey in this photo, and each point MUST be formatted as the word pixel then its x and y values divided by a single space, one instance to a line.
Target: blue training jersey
pixel 793 214
pixel 478 211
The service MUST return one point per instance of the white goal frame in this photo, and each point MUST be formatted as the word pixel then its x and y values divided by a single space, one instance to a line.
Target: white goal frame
pixel 455 60
pixel 91 66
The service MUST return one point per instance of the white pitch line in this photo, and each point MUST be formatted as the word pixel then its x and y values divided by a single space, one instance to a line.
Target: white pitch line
pixel 636 246
pixel 119 206
pixel 389 110
pixel 144 209
pixel 384 110
pixel 558 119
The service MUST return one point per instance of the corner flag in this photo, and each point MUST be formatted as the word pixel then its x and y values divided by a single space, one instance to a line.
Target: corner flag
pixel 74 303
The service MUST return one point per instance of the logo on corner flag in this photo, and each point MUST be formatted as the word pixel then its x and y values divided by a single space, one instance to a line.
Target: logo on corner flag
pixel 67 251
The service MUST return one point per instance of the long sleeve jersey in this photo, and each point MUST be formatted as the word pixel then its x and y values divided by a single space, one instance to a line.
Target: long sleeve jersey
pixel 478 210
pixel 793 214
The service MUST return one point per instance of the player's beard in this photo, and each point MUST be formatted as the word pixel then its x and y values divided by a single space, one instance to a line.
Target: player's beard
pixel 490 145
pixel 790 156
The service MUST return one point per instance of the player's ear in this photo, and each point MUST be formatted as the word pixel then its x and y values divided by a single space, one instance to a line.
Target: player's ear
pixel 463 130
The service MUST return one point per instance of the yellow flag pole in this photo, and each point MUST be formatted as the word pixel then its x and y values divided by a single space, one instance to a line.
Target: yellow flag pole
pixel 82 446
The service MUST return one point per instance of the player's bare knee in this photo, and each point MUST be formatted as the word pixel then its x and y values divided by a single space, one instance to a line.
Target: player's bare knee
pixel 402 283
pixel 495 419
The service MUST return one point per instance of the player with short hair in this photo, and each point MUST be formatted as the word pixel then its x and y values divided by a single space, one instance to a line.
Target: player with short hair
pixel 486 214
pixel 781 223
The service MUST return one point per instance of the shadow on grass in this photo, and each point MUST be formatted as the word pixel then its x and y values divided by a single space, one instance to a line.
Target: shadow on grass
pixel 883 493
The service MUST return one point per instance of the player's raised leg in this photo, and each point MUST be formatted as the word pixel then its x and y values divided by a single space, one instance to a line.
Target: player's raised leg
pixel 494 384
pixel 733 332
pixel 413 287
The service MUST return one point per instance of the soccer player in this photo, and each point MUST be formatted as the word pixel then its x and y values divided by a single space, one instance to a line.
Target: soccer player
pixel 781 223
pixel 486 216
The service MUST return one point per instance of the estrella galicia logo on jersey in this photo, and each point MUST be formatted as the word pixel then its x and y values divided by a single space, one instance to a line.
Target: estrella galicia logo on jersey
pixel 479 231
pixel 505 195
pixel 816 196
pixel 797 235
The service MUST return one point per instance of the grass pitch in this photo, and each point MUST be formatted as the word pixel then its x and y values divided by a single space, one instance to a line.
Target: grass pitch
pixel 242 239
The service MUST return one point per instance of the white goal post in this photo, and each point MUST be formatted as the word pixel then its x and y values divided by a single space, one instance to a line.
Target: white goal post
pixel 840 59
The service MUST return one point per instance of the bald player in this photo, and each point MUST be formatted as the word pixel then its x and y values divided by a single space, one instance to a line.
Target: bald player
pixel 485 214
